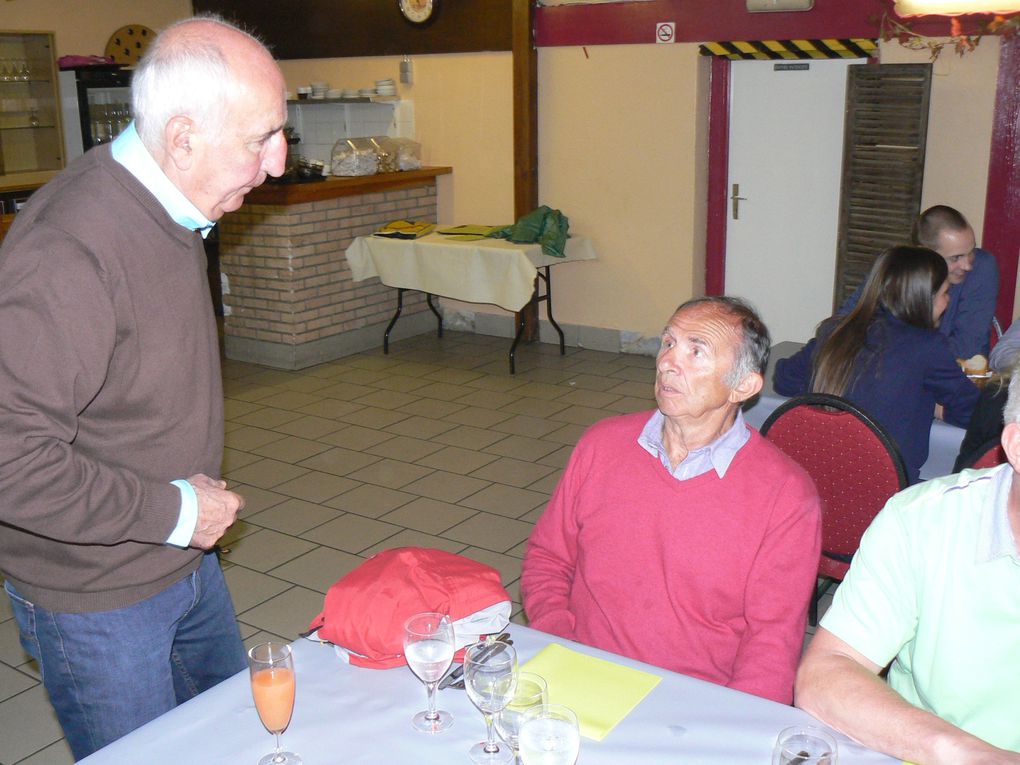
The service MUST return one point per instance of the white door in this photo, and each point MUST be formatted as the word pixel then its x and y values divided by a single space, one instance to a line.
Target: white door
pixel 786 154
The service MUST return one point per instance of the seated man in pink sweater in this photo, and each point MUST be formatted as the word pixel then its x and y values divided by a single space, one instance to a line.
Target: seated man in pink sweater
pixel 682 538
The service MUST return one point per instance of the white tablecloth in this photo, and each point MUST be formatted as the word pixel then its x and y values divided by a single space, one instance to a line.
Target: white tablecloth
pixel 943 441
pixel 346 716
pixel 482 271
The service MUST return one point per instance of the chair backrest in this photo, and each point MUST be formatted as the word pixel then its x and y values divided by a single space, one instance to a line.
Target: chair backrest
pixel 855 465
pixel 989 455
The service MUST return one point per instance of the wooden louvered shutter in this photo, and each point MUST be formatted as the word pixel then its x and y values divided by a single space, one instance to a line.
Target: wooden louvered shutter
pixel 883 165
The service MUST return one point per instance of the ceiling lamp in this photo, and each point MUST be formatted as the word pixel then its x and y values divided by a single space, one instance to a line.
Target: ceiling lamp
pixel 953 7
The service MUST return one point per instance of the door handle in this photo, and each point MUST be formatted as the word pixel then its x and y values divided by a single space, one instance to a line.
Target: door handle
pixel 736 199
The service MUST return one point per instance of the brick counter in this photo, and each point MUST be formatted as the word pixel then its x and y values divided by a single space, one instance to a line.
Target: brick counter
pixel 289 301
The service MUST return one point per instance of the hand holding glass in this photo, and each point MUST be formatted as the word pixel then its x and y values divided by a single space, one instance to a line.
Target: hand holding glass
pixel 549 736
pixel 804 745
pixel 271 666
pixel 531 692
pixel 429 649
pixel 490 678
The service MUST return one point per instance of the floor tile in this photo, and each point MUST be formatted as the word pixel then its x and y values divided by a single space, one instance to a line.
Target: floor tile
pixel 643 389
pixel 290 400
pixel 580 415
pixel 477 417
pixel 249 588
pixel 456 460
pixel 628 404
pixel 346 391
pixel 309 427
pixel 316 486
pixel 267 417
pixel 589 398
pixel 318 569
pixel 512 472
pixel 428 515
pixel 488 399
pixel 339 461
pixel 591 382
pixel 467 437
pixel 233 409
pixel 255 499
pixel 508 501
pixel 535 407
pixel 557 458
pixel 351 533
pixel 448 487
pixel 291 449
pixel 567 434
pixel 356 437
pixel 509 568
pixel 490 532
pixel 522 448
pixel 386 399
pixel 13 682
pixel 266 473
pixel 411 538
pixel 454 376
pixel 370 500
pixel 420 427
pixel 235 460
pixel 30 714
pixel 432 408
pixel 525 425
pixel 294 516
pixel 57 753
pixel 373 417
pixel 500 382
pixel 361 376
pixel 547 484
pixel 398 383
pixel 392 474
pixel 288 614
pixel 330 409
pixel 538 390
pixel 265 550
pixel 404 448
pixel 247 438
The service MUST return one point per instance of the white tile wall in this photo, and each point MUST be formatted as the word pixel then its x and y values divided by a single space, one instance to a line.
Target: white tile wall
pixel 322 125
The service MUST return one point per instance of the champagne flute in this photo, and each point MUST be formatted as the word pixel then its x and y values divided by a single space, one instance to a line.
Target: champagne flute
pixel 429 649
pixel 490 678
pixel 804 745
pixel 272 685
pixel 531 692
pixel 549 736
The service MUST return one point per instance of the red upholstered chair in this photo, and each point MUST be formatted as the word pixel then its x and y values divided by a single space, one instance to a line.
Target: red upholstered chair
pixel 855 465
pixel 989 455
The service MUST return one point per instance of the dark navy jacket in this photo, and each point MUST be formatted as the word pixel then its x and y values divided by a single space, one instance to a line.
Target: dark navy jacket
pixel 898 377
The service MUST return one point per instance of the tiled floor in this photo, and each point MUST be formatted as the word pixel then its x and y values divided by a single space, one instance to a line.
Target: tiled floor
pixel 434 444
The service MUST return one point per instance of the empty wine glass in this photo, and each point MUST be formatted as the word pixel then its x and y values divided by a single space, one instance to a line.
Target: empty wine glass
pixel 549 736
pixel 490 678
pixel 531 692
pixel 804 745
pixel 429 649
pixel 272 686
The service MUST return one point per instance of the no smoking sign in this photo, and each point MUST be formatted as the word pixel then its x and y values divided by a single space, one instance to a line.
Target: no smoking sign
pixel 665 32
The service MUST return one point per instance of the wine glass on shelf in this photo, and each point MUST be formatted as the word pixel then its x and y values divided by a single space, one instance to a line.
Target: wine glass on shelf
pixel 804 745
pixel 549 736
pixel 531 692
pixel 490 679
pixel 429 649
pixel 272 686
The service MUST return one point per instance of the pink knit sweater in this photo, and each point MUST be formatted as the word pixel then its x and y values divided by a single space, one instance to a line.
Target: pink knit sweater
pixel 708 577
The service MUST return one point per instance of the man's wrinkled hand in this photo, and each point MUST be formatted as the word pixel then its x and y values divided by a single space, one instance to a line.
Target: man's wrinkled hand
pixel 217 509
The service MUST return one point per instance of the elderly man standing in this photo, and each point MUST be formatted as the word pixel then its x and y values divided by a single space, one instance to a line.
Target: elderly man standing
pixel 683 538
pixel 110 397
pixel 934 589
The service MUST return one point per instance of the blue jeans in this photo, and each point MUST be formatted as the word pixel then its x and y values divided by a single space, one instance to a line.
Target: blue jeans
pixel 109 672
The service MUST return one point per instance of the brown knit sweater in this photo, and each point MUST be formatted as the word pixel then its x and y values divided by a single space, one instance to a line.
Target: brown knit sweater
pixel 109 389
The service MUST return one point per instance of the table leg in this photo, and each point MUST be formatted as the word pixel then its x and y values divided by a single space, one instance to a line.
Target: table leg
pixel 518 335
pixel 439 319
pixel 400 307
pixel 548 308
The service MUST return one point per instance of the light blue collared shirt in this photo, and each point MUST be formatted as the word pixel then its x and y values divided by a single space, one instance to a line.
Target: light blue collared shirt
pixel 714 456
pixel 128 150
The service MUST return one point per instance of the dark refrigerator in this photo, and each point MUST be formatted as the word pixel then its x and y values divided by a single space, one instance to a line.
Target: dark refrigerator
pixel 95 104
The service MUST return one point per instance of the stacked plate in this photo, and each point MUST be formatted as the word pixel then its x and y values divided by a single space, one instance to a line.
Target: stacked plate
pixel 385 87
pixel 319 89
pixel 349 93
pixel 366 92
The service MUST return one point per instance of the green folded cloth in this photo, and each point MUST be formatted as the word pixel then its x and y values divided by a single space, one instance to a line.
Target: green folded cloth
pixel 600 692
pixel 544 225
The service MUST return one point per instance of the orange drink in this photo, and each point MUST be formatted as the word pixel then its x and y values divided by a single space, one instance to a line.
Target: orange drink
pixel 273 690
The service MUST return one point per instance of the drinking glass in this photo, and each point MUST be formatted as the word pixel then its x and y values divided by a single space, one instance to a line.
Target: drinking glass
pixel 429 649
pixel 272 685
pixel 549 736
pixel 804 745
pixel 490 678
pixel 531 692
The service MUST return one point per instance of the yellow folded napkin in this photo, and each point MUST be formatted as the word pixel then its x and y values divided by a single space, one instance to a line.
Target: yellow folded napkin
pixel 600 692
pixel 406 229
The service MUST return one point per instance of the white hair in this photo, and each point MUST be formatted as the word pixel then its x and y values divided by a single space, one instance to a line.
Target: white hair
pixel 185 75
pixel 1011 413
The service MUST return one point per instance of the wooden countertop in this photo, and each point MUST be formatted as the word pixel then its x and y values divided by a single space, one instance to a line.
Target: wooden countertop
pixel 332 187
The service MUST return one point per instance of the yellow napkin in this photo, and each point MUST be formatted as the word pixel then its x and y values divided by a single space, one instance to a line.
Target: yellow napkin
pixel 406 229
pixel 600 692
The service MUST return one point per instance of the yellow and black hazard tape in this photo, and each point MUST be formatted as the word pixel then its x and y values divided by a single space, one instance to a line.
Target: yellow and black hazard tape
pixel 855 47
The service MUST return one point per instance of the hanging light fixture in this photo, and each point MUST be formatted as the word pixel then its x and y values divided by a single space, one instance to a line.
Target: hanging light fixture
pixel 954 7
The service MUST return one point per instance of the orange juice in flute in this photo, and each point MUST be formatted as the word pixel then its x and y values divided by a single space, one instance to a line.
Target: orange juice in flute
pixel 272 686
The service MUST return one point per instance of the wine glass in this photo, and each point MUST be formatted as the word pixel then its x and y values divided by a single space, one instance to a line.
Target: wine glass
pixel 804 745
pixel 429 649
pixel 490 678
pixel 549 736
pixel 272 685
pixel 531 692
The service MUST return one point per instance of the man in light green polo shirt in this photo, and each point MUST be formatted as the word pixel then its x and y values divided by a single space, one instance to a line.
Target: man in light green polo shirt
pixel 934 589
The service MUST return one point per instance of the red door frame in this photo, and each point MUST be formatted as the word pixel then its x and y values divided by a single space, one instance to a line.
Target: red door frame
pixel 1001 234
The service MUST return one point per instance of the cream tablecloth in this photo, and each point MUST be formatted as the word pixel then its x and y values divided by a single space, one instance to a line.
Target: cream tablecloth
pixel 482 271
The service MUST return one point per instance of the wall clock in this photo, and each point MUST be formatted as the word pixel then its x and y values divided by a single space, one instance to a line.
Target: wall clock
pixel 419 12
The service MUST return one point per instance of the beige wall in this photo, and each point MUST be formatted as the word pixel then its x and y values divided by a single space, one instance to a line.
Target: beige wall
pixel 84 28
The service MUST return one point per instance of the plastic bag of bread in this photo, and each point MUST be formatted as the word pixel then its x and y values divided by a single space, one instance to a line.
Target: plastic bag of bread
pixel 354 156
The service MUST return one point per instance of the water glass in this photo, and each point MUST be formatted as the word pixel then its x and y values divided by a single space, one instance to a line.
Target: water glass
pixel 805 745
pixel 549 736
pixel 531 692
pixel 490 679
pixel 429 649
